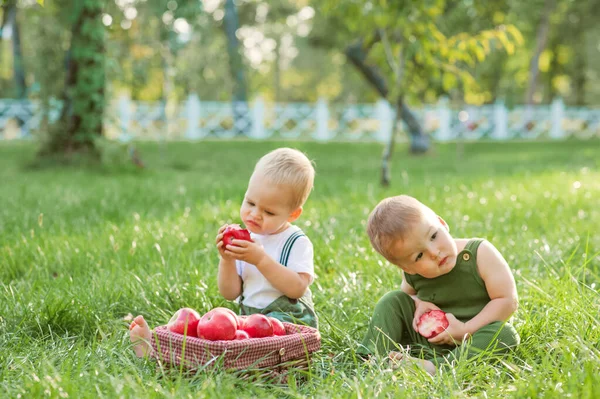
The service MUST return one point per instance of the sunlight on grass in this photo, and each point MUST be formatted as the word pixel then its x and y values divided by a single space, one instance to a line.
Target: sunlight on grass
pixel 82 248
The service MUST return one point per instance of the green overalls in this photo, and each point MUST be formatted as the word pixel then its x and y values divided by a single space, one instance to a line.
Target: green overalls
pixel 297 311
pixel 461 292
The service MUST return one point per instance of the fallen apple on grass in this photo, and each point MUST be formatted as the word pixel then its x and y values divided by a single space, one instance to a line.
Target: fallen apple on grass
pixel 184 320
pixel 432 323
pixel 235 232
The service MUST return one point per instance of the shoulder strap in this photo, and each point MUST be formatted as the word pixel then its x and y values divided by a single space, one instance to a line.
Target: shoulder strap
pixel 287 247
pixel 473 245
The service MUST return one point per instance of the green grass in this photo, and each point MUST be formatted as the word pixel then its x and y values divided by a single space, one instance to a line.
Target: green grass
pixel 82 248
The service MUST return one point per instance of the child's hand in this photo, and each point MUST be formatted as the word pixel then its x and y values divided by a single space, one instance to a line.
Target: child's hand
pixel 422 307
pixel 454 334
pixel 247 251
pixel 219 242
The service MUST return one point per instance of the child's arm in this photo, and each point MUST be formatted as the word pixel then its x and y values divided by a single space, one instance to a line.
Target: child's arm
pixel 500 285
pixel 501 288
pixel 291 283
pixel 229 281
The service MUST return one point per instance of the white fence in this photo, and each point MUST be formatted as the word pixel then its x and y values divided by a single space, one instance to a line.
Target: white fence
pixel 195 120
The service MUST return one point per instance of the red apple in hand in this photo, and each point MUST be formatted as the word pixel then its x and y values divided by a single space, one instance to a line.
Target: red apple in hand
pixel 278 328
pixel 258 326
pixel 235 232
pixel 241 334
pixel 218 325
pixel 432 323
pixel 183 317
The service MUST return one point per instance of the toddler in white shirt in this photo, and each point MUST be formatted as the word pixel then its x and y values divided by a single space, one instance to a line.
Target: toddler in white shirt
pixel 272 274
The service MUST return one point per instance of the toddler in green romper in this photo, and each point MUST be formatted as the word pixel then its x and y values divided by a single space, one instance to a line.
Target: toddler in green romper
pixel 467 279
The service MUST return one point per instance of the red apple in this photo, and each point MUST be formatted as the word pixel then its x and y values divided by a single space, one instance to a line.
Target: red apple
pixel 258 326
pixel 235 232
pixel 231 312
pixel 432 323
pixel 218 325
pixel 278 328
pixel 183 317
pixel 241 321
pixel 241 334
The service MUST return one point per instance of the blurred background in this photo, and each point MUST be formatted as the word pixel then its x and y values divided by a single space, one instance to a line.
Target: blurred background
pixel 168 69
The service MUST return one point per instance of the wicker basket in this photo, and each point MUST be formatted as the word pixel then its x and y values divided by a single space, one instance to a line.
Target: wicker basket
pixel 272 354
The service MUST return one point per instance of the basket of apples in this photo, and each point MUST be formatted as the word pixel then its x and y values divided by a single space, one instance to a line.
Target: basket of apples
pixel 220 337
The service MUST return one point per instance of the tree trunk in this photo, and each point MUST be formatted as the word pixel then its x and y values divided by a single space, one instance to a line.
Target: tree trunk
pixel 168 61
pixel 497 74
pixel 277 68
pixel 357 54
pixel 553 71
pixel 540 44
pixel 80 122
pixel 9 17
pixel 19 69
pixel 239 104
pixel 386 169
pixel 4 8
pixel 580 64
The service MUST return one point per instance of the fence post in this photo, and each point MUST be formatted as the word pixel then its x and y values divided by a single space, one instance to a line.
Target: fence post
pixel 384 115
pixel 322 120
pixel 557 113
pixel 193 115
pixel 444 131
pixel 500 121
pixel 124 118
pixel 258 119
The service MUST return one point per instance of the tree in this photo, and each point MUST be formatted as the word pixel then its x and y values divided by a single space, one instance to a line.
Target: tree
pixel 80 121
pixel 543 30
pixel 9 18
pixel 240 96
pixel 401 48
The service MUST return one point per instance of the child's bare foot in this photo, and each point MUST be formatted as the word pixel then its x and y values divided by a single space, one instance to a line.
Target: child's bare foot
pixel 398 357
pixel 140 336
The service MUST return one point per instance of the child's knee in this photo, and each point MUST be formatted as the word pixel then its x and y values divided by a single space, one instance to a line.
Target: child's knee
pixel 394 300
pixel 501 335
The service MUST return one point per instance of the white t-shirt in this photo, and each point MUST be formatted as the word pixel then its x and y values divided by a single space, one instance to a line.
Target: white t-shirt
pixel 257 290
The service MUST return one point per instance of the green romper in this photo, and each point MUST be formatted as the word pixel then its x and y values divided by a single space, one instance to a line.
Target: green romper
pixel 297 311
pixel 461 292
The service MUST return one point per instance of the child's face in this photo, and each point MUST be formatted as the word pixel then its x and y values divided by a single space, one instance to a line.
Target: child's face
pixel 429 250
pixel 266 209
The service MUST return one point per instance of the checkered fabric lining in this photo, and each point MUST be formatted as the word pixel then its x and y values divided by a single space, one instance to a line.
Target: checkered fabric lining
pixel 270 352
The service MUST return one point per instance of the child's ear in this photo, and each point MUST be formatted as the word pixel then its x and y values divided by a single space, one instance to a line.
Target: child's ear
pixel 295 215
pixel 443 222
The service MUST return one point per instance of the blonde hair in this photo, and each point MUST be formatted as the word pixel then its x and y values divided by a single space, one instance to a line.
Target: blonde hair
pixel 290 167
pixel 392 219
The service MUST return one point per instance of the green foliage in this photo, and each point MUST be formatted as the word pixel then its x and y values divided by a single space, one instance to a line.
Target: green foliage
pixel 147 57
pixel 412 49
pixel 81 248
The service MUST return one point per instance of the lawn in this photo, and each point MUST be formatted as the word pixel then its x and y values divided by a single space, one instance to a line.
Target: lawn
pixel 82 248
